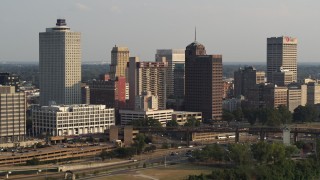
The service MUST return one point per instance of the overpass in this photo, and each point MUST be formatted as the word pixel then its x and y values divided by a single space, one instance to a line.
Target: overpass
pixel 237 130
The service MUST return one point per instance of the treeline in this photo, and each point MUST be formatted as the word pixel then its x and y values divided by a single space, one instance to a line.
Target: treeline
pixel 273 116
pixel 258 161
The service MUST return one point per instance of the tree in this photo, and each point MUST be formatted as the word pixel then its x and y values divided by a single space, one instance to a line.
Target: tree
pixel 285 114
pixel 227 116
pixel 262 152
pixel 146 122
pixel 250 115
pixel 125 152
pixel 240 153
pixel 172 123
pixel 269 116
pixel 306 113
pixel 139 142
pixel 192 122
pixel 238 114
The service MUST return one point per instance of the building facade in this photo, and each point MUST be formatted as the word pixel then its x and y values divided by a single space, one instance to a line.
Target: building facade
pixel 296 96
pixel 9 79
pixel 60 65
pixel 282 77
pixel 12 115
pixel 203 82
pixel 111 93
pixel 163 116
pixel 281 52
pixel 146 101
pixel 247 78
pixel 182 116
pixel 313 93
pixel 175 59
pixel 147 76
pixel 119 60
pixel 69 120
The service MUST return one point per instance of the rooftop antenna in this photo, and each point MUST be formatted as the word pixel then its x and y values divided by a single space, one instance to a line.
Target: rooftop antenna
pixel 195 33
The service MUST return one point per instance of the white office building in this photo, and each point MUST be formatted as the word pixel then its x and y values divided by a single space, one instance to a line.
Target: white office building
pixel 72 119
pixel 163 116
pixel 60 65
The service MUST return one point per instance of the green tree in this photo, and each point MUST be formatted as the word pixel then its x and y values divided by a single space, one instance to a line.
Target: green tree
pixel 172 123
pixel 192 122
pixel 238 114
pixel 250 115
pixel 139 142
pixel 125 152
pixel 262 152
pixel 306 113
pixel 285 114
pixel 227 116
pixel 146 122
pixel 269 116
pixel 240 153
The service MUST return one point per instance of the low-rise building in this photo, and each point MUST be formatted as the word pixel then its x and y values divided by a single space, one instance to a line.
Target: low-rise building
pixel 71 119
pixel 182 116
pixel 127 116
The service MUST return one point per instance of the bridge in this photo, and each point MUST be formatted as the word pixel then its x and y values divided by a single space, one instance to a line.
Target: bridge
pixel 237 130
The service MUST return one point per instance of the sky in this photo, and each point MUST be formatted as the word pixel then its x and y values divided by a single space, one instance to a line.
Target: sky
pixel 237 29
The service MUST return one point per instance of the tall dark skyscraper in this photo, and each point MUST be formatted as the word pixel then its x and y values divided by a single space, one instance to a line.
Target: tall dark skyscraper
pixel 203 82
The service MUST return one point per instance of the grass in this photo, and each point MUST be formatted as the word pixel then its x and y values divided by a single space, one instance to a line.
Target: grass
pixel 181 171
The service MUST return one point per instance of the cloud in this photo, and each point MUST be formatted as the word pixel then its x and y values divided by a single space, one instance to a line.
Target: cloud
pixel 82 7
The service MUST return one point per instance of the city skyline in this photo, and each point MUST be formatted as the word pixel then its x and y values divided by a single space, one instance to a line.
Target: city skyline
pixel 104 24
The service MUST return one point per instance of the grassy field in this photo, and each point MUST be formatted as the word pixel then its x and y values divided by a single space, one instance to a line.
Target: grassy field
pixel 169 173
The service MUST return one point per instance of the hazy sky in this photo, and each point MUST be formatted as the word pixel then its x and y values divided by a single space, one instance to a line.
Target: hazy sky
pixel 237 29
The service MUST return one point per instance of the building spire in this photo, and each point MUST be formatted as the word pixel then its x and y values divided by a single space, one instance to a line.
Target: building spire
pixel 195 33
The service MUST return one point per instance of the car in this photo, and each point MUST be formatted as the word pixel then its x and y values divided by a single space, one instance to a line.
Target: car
pixel 179 147
pixel 190 146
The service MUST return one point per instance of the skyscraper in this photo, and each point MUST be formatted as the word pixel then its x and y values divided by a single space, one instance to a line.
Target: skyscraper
pixel 281 52
pixel 175 59
pixel 60 65
pixel 203 82
pixel 119 60
pixel 246 78
pixel 147 76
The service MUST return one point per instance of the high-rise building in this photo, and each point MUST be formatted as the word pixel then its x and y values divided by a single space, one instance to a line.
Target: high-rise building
pixel 178 81
pixel 274 96
pixel 146 101
pixel 147 76
pixel 203 82
pixel 281 52
pixel 111 93
pixel 282 77
pixel 9 79
pixel 175 59
pixel 119 60
pixel 12 115
pixel 246 78
pixel 60 65
pixel 296 96
pixel 313 93
pixel 267 95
